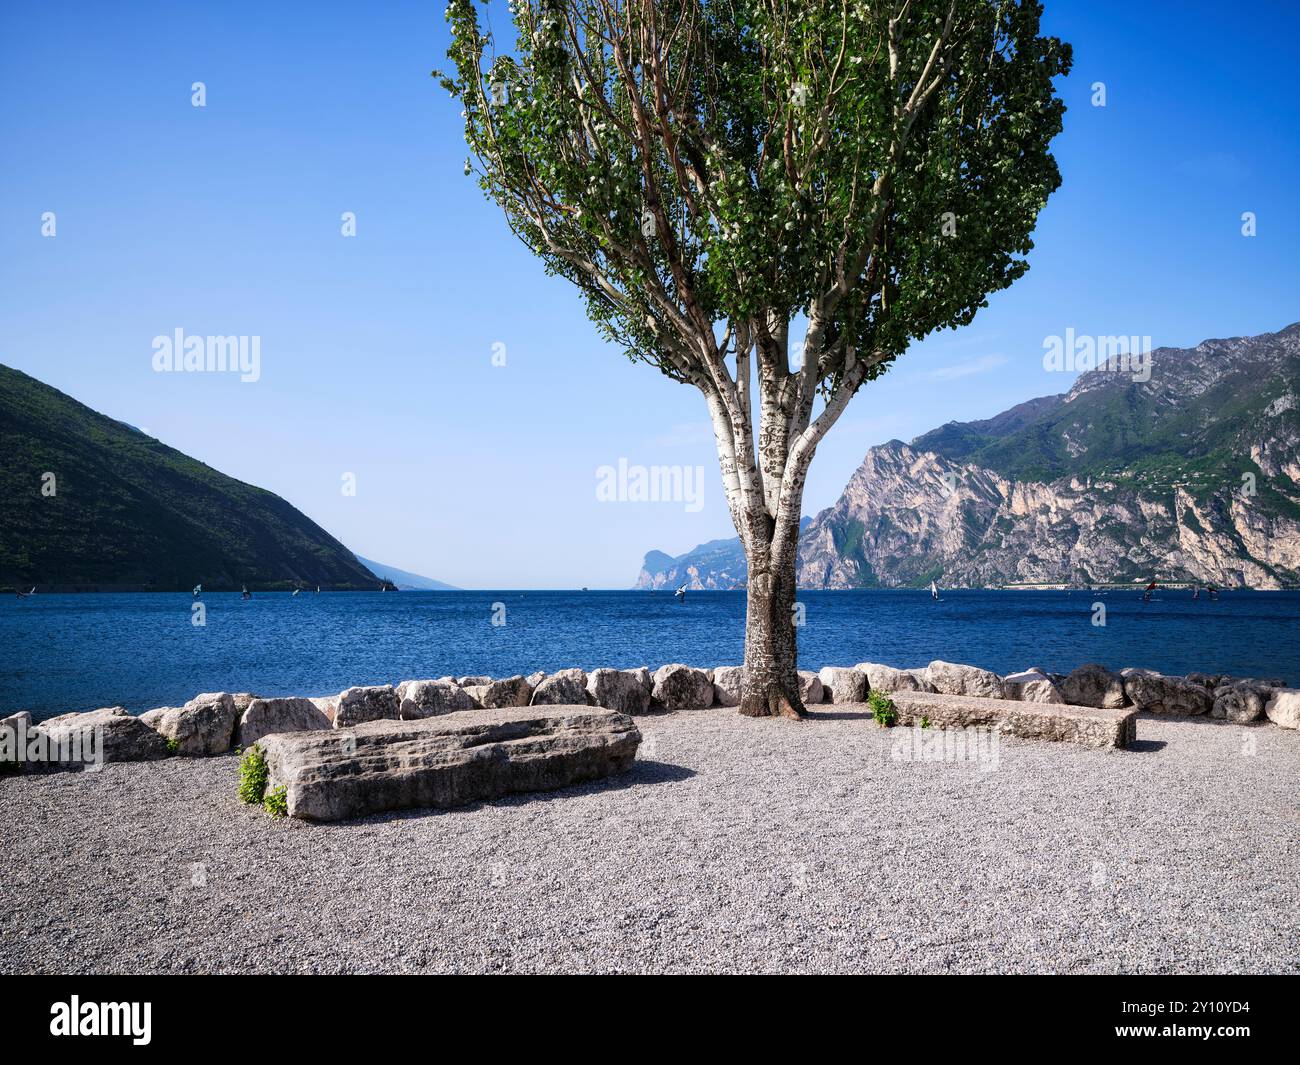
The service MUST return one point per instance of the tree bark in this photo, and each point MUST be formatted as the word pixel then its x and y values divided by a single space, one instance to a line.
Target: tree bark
pixel 771 680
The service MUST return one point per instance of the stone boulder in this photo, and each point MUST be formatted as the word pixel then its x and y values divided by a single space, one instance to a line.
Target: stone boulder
pixel 1159 694
pixel 810 688
pixel 1094 685
pixel 727 683
pixel 645 677
pixel 618 689
pixel 1085 725
pixel 568 687
pixel 263 717
pixel 951 678
pixel 18 721
pixel 888 679
pixel 510 691
pixel 1240 701
pixel 679 687
pixel 403 688
pixel 1032 686
pixel 447 761
pixel 203 726
pixel 243 700
pixel 13 738
pixel 535 679
pixel 116 735
pixel 326 704
pixel 921 676
pixel 375 703
pixel 1283 708
pixel 473 682
pixel 430 698
pixel 476 693
pixel 844 685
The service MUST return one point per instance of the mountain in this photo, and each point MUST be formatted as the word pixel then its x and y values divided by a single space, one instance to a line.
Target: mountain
pixel 1191 475
pixel 92 503
pixel 717 564
pixel 404 581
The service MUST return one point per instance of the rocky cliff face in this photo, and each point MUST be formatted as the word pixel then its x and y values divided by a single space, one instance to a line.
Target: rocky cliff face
pixel 718 564
pixel 1191 475
pixel 908 517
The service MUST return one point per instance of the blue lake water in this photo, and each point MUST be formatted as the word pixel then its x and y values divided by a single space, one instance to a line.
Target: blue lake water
pixel 61 653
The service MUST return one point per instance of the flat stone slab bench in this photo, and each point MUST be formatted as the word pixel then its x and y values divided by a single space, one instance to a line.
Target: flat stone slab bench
pixel 444 761
pixel 1031 721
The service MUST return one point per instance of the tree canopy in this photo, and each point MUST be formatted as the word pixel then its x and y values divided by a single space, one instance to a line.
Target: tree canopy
pixel 703 168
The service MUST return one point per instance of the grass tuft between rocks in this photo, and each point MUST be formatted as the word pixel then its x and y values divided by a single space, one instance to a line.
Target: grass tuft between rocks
pixel 253 775
pixel 882 709
pixel 276 802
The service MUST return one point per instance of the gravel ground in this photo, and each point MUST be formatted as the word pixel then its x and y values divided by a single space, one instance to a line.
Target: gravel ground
pixel 732 845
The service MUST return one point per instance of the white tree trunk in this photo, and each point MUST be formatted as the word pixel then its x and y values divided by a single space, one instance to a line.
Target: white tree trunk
pixel 771 681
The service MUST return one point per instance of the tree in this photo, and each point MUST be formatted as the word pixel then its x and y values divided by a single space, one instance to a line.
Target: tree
pixel 712 175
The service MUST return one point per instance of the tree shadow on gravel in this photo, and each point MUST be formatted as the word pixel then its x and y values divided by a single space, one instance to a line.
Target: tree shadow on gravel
pixel 1146 746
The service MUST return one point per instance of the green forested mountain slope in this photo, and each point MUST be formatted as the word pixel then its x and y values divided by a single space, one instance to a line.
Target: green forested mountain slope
pixel 130 512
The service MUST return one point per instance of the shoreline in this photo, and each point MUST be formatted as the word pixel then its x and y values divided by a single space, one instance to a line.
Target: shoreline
pixel 213 723
pixel 81 652
pixel 1048 687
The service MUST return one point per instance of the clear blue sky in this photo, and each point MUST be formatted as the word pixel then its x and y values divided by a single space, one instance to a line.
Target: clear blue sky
pixel 376 351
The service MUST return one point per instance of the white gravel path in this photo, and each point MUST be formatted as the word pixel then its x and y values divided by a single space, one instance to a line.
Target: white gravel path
pixel 733 845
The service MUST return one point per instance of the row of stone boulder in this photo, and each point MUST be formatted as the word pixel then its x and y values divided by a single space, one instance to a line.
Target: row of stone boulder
pixel 213 723
pixel 678 687
pixel 1235 699
pixel 216 722
pixel 208 724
